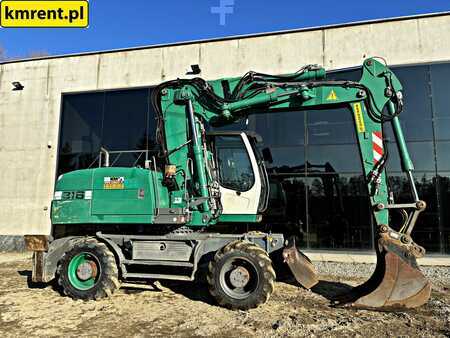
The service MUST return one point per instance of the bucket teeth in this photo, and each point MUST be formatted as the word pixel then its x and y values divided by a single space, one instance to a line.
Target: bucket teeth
pixel 397 282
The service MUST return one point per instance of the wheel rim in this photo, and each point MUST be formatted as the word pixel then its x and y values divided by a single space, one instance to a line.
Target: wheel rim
pixel 84 271
pixel 239 278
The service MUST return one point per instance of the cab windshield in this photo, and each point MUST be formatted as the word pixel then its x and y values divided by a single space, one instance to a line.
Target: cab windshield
pixel 235 168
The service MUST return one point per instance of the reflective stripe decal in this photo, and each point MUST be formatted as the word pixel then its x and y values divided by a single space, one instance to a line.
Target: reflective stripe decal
pixel 377 146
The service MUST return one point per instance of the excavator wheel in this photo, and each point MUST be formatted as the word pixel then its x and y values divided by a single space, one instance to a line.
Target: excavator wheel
pixel 241 276
pixel 88 271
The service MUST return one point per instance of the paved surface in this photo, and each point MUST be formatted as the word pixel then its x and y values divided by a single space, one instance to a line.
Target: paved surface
pixel 187 310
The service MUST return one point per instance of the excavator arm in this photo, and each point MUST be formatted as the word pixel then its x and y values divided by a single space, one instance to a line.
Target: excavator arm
pixel 187 107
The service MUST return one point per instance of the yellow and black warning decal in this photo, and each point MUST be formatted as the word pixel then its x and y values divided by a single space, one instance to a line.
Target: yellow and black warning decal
pixel 114 182
pixel 332 96
pixel 359 119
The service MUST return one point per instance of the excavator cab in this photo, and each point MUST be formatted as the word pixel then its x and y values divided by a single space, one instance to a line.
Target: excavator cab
pixel 240 171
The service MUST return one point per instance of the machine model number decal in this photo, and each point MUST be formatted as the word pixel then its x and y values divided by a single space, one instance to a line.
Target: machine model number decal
pixel 359 117
pixel 114 182
pixel 73 195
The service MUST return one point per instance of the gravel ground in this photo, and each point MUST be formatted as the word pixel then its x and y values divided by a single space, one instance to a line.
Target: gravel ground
pixel 436 274
pixel 178 309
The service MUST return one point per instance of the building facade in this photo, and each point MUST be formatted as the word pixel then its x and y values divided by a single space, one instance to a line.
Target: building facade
pixel 73 105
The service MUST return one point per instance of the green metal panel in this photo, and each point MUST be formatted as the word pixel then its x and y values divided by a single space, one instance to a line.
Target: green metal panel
pixel 71 212
pixel 120 202
pixel 75 180
pixel 365 129
pixel 178 133
pixel 135 198
pixel 134 202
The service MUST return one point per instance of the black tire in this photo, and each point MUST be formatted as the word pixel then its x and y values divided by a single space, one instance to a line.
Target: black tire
pixel 100 259
pixel 258 271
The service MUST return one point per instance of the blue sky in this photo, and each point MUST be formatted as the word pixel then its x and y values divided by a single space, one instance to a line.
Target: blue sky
pixel 121 24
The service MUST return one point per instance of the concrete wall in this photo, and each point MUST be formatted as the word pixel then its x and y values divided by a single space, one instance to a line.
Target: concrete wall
pixel 29 119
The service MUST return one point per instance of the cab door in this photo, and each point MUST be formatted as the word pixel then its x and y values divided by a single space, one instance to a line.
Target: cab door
pixel 238 174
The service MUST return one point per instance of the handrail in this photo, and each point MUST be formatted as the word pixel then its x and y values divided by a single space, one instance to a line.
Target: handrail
pixel 106 154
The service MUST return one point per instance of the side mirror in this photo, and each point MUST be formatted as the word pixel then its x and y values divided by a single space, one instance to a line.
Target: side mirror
pixel 267 155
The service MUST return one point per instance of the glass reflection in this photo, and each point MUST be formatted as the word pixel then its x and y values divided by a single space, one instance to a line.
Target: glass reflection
pixel 330 126
pixel 416 117
pixel 116 120
pixel 440 87
pixel 338 212
pixel 444 211
pixel 427 229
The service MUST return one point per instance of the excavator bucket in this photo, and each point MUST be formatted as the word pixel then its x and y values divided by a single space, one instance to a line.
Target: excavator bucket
pixel 397 282
pixel 302 268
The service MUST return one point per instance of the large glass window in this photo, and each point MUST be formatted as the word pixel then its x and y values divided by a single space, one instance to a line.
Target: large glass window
pixel 443 156
pixel 280 129
pixel 330 126
pixel 440 86
pixel 440 95
pixel 444 212
pixel 338 211
pixel 421 153
pixel 121 120
pixel 416 117
pixel 81 131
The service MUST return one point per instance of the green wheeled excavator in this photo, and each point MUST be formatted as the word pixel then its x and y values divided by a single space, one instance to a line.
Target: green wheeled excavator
pixel 161 221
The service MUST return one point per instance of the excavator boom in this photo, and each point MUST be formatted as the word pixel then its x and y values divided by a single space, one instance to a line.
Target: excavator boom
pixel 397 282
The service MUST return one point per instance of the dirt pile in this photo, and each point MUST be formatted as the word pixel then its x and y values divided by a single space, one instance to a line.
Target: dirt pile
pixel 187 310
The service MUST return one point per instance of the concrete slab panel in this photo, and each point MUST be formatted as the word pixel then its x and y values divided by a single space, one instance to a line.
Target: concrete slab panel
pixel 280 53
pixel 177 60
pixel 129 69
pixel 435 38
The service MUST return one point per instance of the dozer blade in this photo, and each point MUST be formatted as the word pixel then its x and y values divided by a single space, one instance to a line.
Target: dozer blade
pixel 300 265
pixel 397 282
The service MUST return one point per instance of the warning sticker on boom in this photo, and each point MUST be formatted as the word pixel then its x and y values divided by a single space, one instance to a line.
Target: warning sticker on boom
pixel 113 183
pixel 332 96
pixel 360 127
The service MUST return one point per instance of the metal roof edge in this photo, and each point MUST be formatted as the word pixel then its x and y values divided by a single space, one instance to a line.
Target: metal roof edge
pixel 233 37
